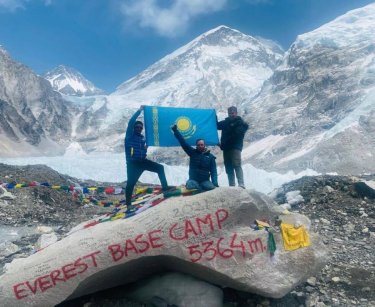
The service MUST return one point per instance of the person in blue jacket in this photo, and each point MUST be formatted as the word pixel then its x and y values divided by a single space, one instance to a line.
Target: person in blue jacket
pixel 136 161
pixel 202 164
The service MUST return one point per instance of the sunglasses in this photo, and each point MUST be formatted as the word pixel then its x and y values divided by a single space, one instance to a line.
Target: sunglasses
pixel 138 127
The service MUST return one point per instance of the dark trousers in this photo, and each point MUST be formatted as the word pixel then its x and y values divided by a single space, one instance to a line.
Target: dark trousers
pixel 135 170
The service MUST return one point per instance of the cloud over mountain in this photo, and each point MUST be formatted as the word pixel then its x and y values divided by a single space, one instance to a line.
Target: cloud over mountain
pixel 168 20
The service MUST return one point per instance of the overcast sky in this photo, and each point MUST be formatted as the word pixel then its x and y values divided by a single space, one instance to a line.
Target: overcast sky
pixel 110 41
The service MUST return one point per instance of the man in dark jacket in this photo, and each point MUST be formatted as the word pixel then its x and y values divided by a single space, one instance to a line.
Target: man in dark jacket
pixel 233 131
pixel 136 161
pixel 202 164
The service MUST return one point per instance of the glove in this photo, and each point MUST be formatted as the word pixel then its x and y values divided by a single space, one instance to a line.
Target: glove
pixel 174 128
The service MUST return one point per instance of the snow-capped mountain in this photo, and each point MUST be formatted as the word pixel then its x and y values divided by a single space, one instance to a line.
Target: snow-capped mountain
pixel 312 107
pixel 220 68
pixel 318 109
pixel 70 81
pixel 34 119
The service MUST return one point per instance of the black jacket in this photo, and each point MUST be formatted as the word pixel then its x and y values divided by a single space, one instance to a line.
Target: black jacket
pixel 202 165
pixel 233 133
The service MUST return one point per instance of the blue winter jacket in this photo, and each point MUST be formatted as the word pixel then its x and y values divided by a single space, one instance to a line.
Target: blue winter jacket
pixel 135 143
pixel 202 165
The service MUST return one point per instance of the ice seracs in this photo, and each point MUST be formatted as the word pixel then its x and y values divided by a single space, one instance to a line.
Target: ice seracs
pixel 319 101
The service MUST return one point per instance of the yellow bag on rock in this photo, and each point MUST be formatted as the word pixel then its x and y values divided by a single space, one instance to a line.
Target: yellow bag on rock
pixel 294 237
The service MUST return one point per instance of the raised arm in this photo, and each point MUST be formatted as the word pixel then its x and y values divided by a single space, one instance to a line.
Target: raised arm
pixel 187 148
pixel 220 124
pixel 129 129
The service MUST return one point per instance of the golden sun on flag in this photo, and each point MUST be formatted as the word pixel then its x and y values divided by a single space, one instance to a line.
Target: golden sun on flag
pixel 183 123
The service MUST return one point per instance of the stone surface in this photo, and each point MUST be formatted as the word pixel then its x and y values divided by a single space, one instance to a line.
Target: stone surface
pixel 4 194
pixel 186 291
pixel 354 263
pixel 352 258
pixel 206 235
pixel 45 240
pixel 8 248
pixel 44 229
pixel 311 281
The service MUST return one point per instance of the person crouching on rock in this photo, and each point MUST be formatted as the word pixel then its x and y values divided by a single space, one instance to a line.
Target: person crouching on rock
pixel 136 161
pixel 202 164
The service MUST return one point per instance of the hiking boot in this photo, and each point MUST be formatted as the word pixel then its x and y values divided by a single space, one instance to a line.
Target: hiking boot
pixel 168 188
pixel 130 209
pixel 172 193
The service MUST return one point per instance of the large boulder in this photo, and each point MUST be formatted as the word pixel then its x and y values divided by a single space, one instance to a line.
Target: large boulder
pixel 207 236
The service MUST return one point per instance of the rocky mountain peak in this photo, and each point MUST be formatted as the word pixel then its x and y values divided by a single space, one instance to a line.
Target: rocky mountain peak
pixel 318 104
pixel 225 37
pixel 2 50
pixel 70 81
pixel 356 26
pixel 225 41
pixel 219 68
pixel 220 36
pixel 33 118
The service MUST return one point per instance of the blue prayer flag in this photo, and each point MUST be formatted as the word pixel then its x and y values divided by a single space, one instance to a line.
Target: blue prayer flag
pixel 193 124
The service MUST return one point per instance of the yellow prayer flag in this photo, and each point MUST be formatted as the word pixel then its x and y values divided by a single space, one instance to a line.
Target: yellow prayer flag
pixel 139 190
pixel 293 237
pixel 118 216
pixel 263 224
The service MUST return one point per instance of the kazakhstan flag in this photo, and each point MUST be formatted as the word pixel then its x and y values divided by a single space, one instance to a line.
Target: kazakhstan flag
pixel 193 124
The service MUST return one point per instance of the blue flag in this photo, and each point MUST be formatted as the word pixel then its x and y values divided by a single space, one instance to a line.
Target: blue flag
pixel 193 124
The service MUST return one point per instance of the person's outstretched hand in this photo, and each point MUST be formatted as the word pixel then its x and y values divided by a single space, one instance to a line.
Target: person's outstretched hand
pixel 174 128
pixel 141 108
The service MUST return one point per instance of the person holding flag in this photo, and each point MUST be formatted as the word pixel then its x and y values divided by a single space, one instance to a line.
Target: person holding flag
pixel 202 164
pixel 136 161
pixel 233 132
